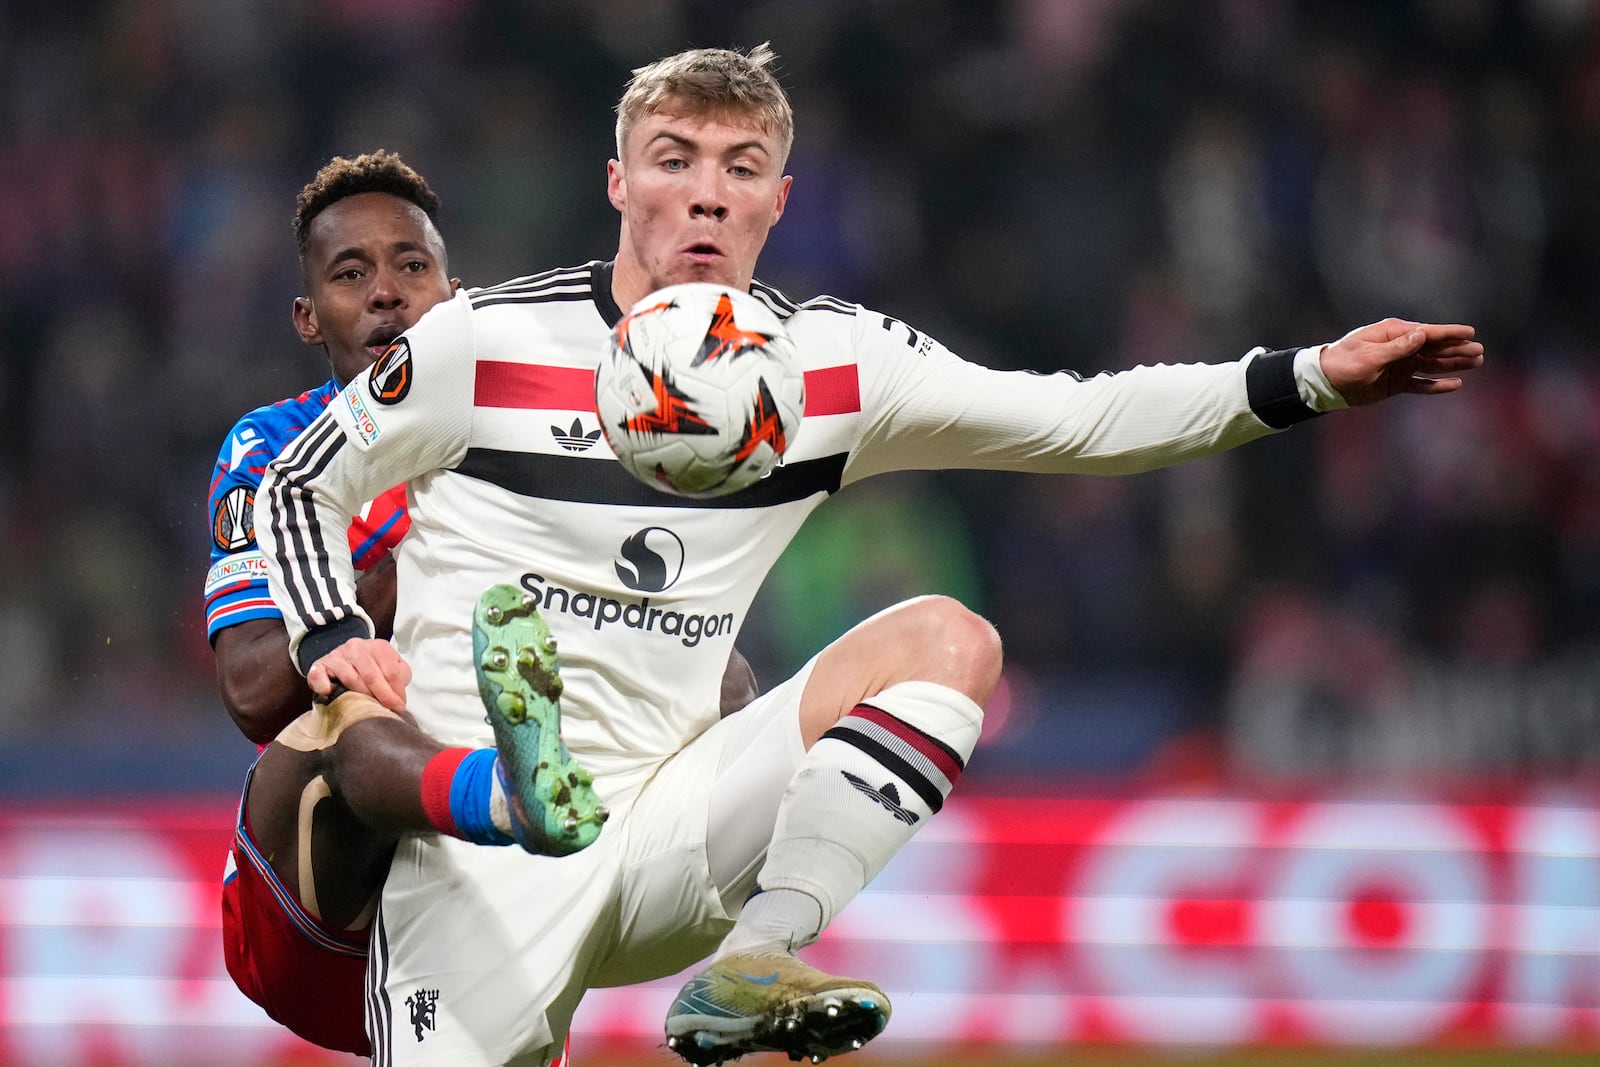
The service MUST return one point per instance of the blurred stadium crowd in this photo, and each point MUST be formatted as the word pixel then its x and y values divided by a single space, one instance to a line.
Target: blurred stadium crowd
pixel 1041 184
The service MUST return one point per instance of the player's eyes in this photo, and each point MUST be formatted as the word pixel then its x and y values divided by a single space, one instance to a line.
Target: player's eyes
pixel 673 164
pixel 742 171
pixel 349 274
pixel 415 266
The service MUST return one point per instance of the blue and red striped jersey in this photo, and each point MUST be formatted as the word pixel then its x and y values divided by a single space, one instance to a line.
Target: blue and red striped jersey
pixel 236 583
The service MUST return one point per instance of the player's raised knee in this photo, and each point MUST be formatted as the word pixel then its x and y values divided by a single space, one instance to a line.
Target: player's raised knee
pixel 961 638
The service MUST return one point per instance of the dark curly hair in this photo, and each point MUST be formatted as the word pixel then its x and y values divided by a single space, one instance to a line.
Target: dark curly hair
pixel 375 172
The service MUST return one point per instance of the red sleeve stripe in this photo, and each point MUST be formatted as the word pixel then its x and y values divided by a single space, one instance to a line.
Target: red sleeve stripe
pixel 222 615
pixel 833 390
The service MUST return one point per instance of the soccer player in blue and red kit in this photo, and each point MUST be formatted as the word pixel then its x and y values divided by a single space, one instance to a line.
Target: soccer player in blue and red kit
pixel 295 907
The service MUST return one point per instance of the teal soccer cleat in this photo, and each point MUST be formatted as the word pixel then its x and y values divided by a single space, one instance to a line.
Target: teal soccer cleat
pixel 554 810
pixel 772 1002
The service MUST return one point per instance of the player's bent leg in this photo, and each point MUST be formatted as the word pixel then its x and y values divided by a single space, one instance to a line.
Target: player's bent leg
pixel 554 809
pixel 769 1001
pixel 890 715
pixel 322 847
pixel 294 941
pixel 929 639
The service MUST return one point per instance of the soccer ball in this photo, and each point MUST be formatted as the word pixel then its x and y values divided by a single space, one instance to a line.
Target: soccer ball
pixel 699 390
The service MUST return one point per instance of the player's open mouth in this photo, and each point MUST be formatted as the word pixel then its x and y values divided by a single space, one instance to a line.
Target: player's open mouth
pixel 703 253
pixel 380 339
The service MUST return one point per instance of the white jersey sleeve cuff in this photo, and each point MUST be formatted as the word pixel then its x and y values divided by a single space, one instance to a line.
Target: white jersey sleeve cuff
pixel 1315 390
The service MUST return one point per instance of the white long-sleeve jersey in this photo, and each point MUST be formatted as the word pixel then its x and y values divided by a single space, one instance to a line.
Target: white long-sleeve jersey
pixel 485 409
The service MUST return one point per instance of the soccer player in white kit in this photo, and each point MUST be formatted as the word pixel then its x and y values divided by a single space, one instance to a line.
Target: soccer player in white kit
pixel 740 837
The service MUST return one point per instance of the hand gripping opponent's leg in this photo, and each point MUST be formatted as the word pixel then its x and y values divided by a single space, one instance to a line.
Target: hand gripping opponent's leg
pixel 554 810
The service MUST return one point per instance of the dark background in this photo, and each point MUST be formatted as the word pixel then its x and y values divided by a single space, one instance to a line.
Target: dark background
pixel 1085 184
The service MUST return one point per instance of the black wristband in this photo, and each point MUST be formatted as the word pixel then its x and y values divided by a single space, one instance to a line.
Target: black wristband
pixel 1274 395
pixel 324 639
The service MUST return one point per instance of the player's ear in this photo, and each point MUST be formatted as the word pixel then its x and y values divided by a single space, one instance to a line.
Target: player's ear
pixel 616 184
pixel 783 198
pixel 455 285
pixel 305 321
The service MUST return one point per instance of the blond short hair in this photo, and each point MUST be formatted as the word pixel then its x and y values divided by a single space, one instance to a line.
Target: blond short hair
pixel 710 81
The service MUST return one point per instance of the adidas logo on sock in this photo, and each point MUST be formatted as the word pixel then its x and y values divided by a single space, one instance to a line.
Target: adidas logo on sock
pixel 888 797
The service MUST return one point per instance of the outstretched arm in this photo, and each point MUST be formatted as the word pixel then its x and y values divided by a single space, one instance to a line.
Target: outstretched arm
pixel 1384 359
pixel 927 408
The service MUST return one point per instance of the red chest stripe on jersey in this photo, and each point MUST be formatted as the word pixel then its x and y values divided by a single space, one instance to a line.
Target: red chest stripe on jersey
pixel 833 391
pixel 524 385
pixel 829 391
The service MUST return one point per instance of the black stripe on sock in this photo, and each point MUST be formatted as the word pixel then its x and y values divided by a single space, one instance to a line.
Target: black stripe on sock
pixel 894 763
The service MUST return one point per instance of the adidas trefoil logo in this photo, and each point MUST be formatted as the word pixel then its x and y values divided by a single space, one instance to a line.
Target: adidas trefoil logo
pixel 574 439
pixel 888 797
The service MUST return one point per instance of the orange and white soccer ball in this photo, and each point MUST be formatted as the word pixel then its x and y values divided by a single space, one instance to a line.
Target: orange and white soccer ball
pixel 699 390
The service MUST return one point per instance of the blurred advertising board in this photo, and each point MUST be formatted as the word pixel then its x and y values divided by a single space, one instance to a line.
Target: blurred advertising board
pixel 1329 919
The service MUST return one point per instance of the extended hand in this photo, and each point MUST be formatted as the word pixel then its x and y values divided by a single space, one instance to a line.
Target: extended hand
pixel 1375 362
pixel 365 665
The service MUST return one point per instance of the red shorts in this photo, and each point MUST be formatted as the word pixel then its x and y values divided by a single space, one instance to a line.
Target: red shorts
pixel 309 978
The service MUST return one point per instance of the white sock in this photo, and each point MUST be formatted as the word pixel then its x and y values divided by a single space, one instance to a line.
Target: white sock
pixel 864 788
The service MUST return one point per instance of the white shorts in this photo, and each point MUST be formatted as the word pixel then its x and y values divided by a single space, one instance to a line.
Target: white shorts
pixel 480 955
